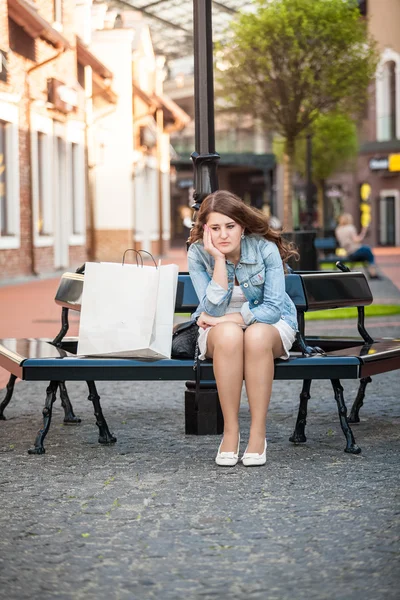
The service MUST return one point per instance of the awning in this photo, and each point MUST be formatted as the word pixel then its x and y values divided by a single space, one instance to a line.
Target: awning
pixel 174 116
pixel 87 59
pixel 26 16
pixel 173 113
pixel 149 100
pixel 102 87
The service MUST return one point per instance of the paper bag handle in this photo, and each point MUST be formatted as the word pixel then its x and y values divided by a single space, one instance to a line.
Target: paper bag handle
pixel 138 253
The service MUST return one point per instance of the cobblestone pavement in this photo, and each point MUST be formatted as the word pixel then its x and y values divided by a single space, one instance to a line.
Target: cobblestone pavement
pixel 154 517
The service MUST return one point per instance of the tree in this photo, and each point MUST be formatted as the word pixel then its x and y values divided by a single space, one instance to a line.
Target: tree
pixel 292 60
pixel 334 143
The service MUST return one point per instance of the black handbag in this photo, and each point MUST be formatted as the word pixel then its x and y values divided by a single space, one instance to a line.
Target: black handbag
pixel 184 340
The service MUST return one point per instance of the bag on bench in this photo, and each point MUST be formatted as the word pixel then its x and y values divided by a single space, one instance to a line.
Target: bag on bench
pixel 127 310
pixel 184 340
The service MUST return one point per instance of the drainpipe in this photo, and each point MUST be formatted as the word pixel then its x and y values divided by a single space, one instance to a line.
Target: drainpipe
pixel 28 121
pixel 160 129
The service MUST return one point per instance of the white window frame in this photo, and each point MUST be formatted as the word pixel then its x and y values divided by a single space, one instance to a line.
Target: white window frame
pixel 40 124
pixel 58 14
pixel 76 135
pixel 382 94
pixel 10 114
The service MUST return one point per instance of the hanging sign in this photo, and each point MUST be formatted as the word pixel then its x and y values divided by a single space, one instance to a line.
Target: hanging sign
pixel 394 162
pixel 365 204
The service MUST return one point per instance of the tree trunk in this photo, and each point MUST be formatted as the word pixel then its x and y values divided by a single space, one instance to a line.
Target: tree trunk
pixel 321 206
pixel 288 162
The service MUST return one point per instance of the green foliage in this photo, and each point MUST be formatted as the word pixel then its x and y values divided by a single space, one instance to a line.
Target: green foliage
pixel 375 310
pixel 334 143
pixel 292 60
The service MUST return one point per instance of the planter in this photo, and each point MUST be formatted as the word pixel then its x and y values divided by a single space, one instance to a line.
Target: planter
pixel 304 241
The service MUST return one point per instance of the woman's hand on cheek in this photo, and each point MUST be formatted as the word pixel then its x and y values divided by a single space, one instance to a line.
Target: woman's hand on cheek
pixel 208 244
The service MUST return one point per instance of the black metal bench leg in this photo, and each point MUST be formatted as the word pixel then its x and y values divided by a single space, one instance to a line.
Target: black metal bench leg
pixel 298 436
pixel 69 415
pixel 8 396
pixel 359 401
pixel 351 445
pixel 47 411
pixel 105 436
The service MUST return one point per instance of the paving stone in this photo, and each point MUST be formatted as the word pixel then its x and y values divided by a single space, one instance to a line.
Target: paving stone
pixel 154 517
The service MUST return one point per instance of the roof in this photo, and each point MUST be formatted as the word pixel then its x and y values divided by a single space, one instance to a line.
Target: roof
pixel 171 22
pixel 173 115
pixel 26 15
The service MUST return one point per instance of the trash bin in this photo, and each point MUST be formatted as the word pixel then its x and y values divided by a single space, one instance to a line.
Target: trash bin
pixel 304 241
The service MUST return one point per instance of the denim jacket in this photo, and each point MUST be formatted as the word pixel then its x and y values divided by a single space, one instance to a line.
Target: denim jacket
pixel 261 278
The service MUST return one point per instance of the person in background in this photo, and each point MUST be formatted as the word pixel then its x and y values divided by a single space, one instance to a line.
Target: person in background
pixel 350 241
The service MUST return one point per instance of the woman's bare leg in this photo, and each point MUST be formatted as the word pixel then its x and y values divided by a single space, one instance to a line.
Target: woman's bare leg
pixel 225 347
pixel 262 343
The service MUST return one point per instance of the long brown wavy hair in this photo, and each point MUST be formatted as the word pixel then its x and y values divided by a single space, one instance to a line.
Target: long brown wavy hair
pixel 251 219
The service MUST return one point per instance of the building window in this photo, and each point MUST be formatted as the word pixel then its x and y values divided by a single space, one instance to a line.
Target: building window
pixel 3 66
pixel 75 208
pixel 41 154
pixel 3 180
pixel 58 11
pixel 42 180
pixel 76 187
pixel 362 5
pixel 9 178
pixel 21 42
pixel 388 97
pixel 391 66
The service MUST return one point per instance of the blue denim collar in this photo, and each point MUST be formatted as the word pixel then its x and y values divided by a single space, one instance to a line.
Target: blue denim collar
pixel 247 253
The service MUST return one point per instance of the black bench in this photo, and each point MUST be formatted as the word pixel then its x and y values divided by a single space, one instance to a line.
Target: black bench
pixel 326 252
pixel 312 358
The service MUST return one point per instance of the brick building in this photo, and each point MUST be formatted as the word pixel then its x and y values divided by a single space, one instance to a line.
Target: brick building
pixel 84 144
pixel 374 185
pixel 42 139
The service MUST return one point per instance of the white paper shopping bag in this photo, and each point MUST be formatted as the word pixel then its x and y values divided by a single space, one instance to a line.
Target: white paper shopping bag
pixel 164 321
pixel 118 312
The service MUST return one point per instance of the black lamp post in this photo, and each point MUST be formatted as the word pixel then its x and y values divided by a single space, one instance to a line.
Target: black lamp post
pixel 203 415
pixel 205 159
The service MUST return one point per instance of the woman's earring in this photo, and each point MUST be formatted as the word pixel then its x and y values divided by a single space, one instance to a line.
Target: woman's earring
pixel 242 236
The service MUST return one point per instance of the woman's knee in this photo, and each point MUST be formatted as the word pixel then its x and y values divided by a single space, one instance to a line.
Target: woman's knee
pixel 228 336
pixel 259 337
pixel 365 253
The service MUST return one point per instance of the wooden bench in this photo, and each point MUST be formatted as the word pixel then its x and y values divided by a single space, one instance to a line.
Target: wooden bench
pixel 312 358
pixel 326 252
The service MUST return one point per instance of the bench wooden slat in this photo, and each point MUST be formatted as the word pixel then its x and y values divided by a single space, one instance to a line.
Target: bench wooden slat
pixel 309 291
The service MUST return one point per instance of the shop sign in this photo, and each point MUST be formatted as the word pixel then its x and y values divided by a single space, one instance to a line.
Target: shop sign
pixel 379 164
pixel 394 162
pixel 385 163
pixel 365 204
pixel 185 183
pixel 64 98
pixel 334 191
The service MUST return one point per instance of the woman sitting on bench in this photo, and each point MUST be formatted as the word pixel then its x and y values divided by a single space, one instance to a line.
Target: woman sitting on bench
pixel 346 235
pixel 246 319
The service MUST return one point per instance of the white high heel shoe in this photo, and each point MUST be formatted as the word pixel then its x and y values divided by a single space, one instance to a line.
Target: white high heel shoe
pixel 227 459
pixel 252 459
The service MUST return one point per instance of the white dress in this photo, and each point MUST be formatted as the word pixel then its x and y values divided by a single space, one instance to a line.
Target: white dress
pixel 288 335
